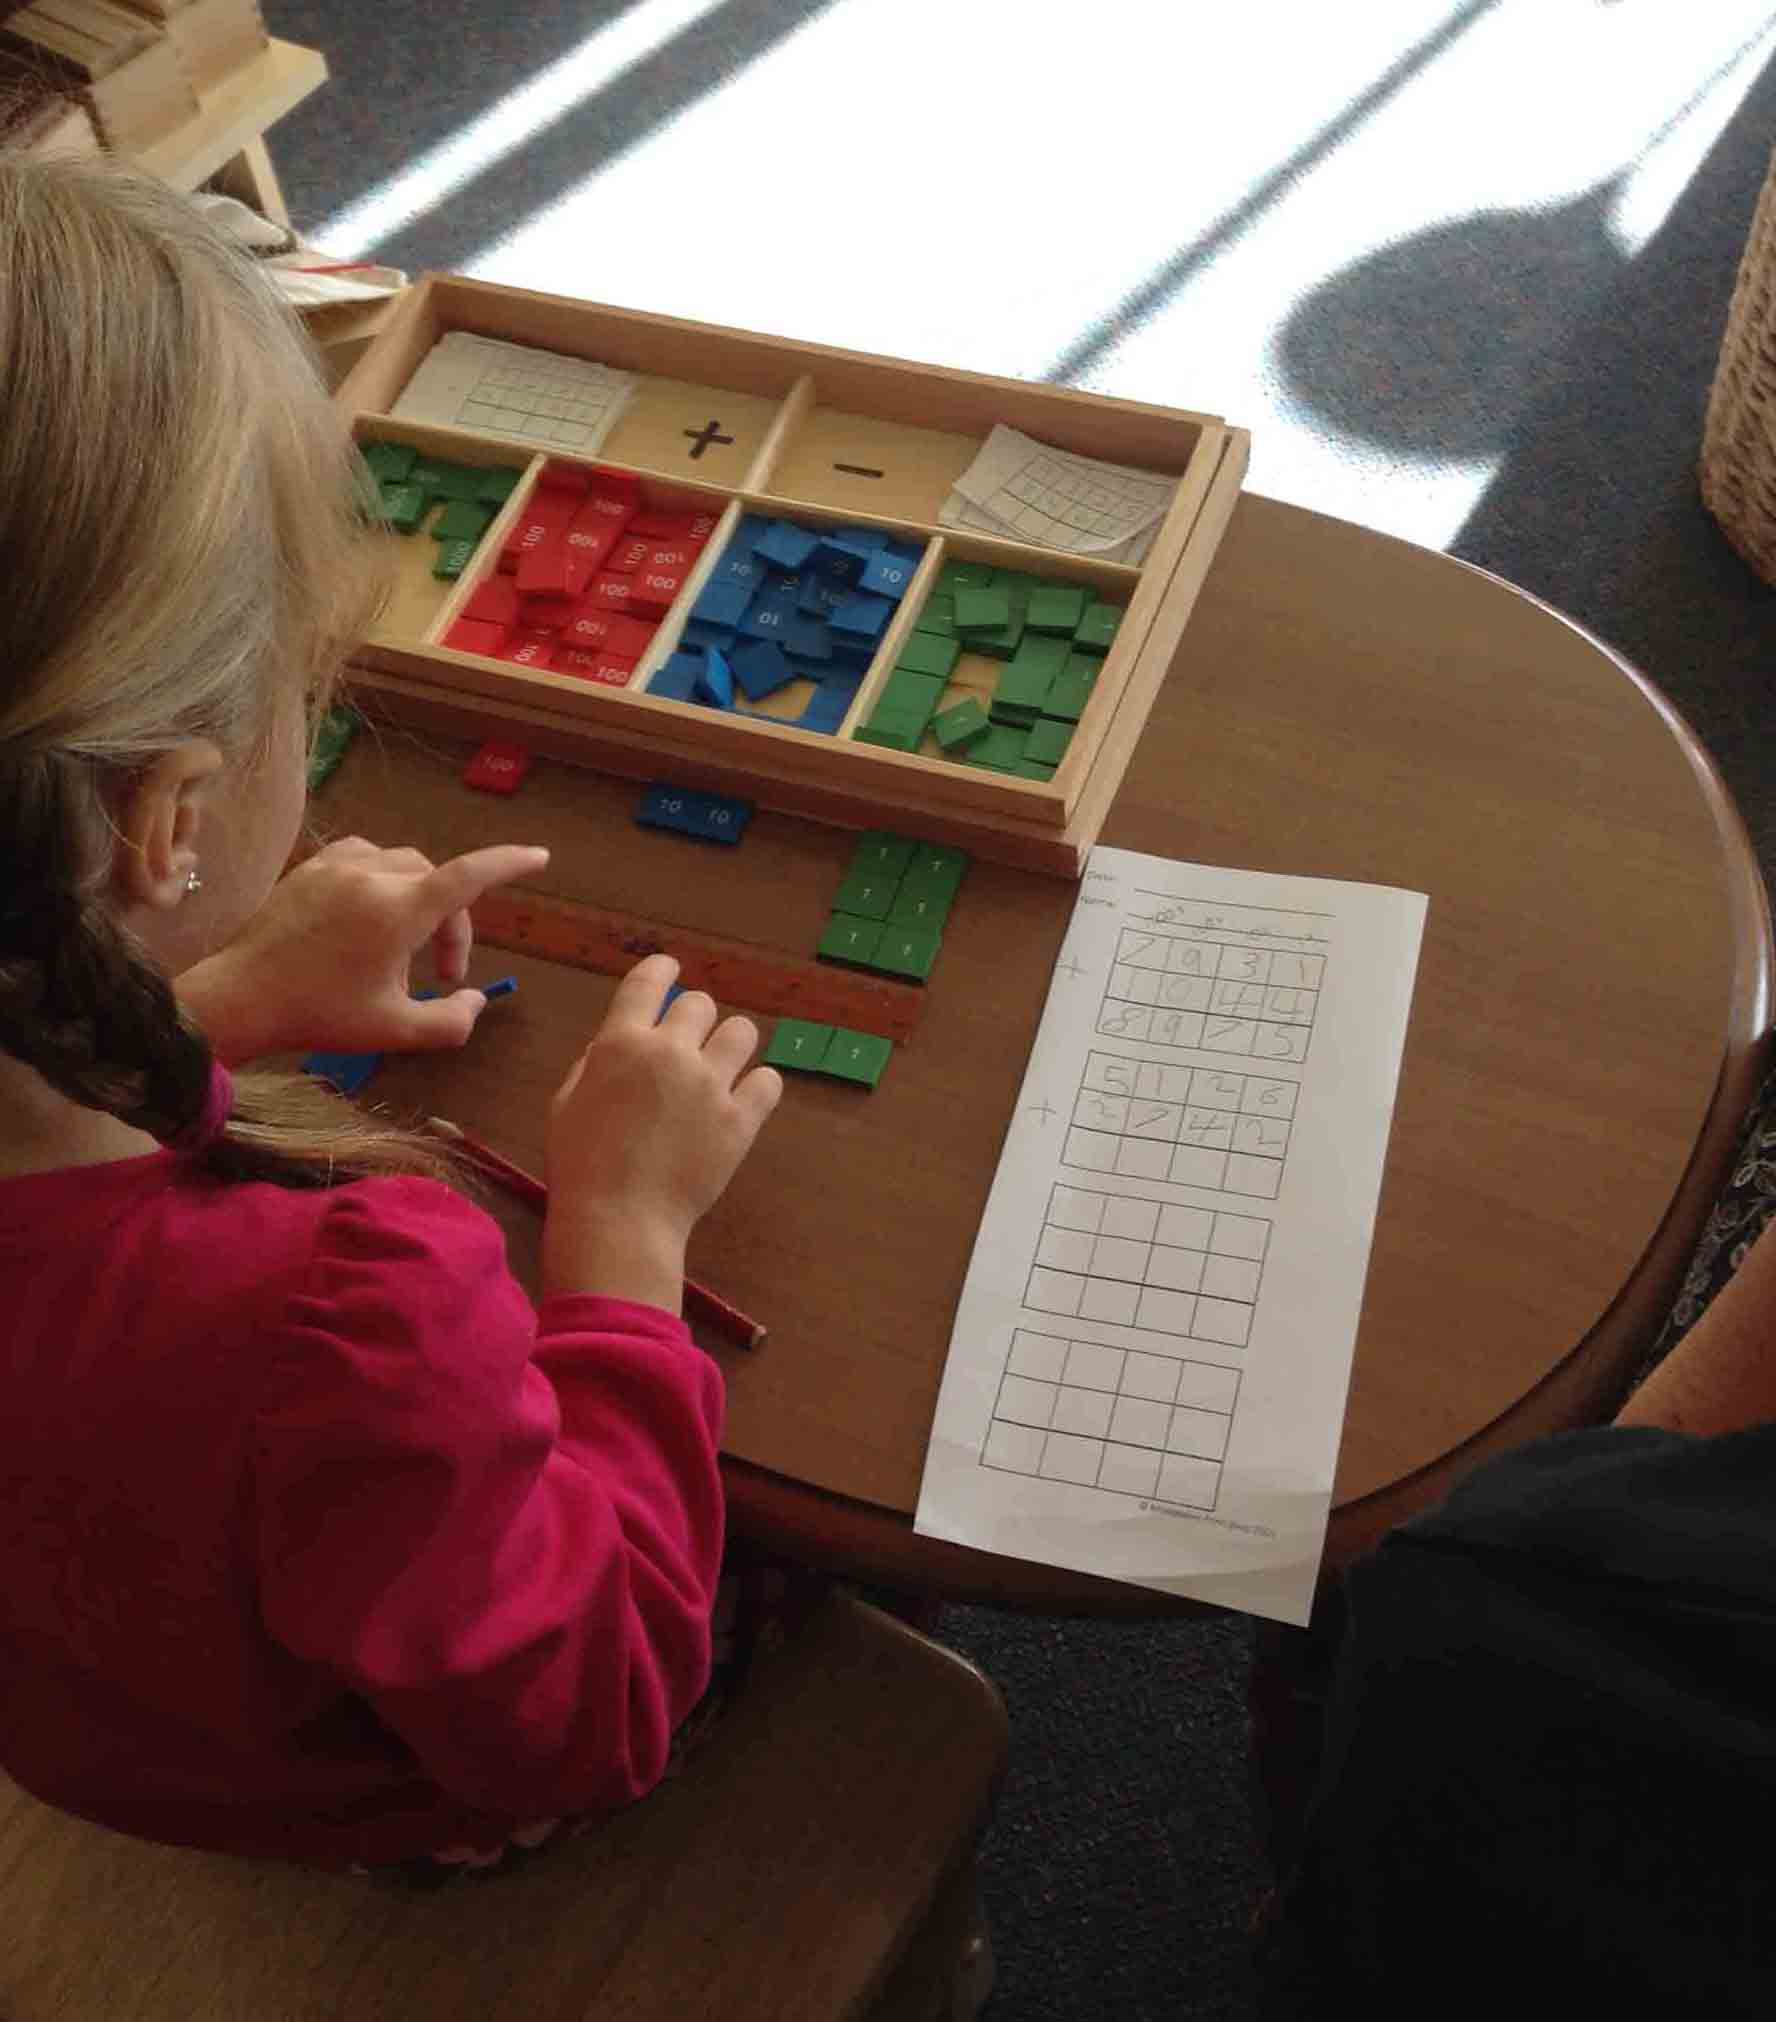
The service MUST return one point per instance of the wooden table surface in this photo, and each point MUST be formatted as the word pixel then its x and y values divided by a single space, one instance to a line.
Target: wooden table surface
pixel 1586 1032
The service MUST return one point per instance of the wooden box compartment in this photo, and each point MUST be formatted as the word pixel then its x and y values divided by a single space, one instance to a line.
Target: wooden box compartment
pixel 730 423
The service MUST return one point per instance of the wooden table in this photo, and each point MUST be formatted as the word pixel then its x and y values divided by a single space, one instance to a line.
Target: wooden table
pixel 1591 1006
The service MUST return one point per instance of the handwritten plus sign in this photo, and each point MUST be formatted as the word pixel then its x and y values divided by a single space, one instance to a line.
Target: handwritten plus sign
pixel 1071 968
pixel 1042 1110
pixel 704 436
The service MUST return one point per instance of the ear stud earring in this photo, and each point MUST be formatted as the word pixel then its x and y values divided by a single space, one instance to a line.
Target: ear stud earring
pixel 193 883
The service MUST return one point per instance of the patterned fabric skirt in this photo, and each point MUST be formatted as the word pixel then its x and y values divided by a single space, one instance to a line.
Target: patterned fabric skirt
pixel 1734 1224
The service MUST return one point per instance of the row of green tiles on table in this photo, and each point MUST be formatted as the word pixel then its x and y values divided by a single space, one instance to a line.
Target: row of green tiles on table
pixel 1051 637
pixel 888 915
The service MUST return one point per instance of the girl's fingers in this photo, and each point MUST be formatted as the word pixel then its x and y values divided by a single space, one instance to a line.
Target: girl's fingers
pixel 456 885
pixel 692 1016
pixel 730 1046
pixel 637 1000
pixel 442 1021
pixel 451 946
pixel 757 1094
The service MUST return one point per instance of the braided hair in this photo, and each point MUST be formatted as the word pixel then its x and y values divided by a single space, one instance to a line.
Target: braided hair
pixel 178 553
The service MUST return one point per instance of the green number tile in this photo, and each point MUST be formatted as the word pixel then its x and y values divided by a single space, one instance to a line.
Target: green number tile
pixel 800 1044
pixel 1018 587
pixel 936 870
pixel 1000 643
pixel 1097 628
pixel 925 653
pixel 453 558
pixel 434 477
pixel 921 906
pixel 880 853
pixel 462 520
pixel 907 950
pixel 893 729
pixel 390 462
pixel 333 734
pixel 939 615
pixel 857 1056
pixel 1039 657
pixel 1027 768
pixel 1024 686
pixel 404 506
pixel 1072 688
pixel 957 728
pixel 981 608
pixel 494 487
pixel 909 690
pixel 867 895
pixel 850 940
pixel 1048 742
pixel 1056 607
pixel 956 576
pixel 1001 750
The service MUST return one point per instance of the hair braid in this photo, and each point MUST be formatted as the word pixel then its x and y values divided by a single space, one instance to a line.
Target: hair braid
pixel 178 549
pixel 79 1001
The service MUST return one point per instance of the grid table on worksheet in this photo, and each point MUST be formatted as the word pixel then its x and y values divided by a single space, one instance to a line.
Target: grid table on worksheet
pixel 1189 990
pixel 1150 1419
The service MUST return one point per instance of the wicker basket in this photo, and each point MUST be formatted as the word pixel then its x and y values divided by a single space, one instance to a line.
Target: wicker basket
pixel 1739 437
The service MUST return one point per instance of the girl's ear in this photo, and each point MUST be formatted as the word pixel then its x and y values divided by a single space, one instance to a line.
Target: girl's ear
pixel 157 817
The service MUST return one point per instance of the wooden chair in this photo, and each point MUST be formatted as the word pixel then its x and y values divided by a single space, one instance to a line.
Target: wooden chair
pixel 815 1861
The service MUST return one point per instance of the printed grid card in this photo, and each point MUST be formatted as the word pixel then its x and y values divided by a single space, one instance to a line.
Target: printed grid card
pixel 1148 1372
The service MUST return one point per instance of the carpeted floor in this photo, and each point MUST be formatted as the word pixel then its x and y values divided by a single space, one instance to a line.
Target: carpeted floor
pixel 1516 371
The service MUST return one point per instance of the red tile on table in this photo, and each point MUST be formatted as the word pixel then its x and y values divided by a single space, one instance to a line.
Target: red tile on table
pixel 610 593
pixel 498 768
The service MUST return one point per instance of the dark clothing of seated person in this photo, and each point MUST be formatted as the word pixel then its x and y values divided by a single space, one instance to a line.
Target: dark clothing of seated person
pixel 1549 1766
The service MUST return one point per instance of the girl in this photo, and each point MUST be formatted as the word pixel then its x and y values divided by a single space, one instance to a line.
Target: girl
pixel 316 1539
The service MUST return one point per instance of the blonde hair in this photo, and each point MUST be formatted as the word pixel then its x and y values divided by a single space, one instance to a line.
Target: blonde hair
pixel 179 539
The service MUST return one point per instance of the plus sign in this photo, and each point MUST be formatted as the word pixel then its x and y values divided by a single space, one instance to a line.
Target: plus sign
pixel 704 436
pixel 1070 967
pixel 1040 1109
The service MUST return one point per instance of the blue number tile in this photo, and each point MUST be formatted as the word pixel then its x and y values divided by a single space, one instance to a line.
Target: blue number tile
pixel 716 682
pixel 761 669
pixel 863 616
pixel 722 603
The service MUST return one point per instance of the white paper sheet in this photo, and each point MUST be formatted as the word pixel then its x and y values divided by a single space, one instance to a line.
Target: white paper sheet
pixel 516 393
pixel 1148 1370
pixel 1020 489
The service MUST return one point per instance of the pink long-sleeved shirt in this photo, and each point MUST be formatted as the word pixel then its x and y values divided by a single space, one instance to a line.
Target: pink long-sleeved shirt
pixel 317 1539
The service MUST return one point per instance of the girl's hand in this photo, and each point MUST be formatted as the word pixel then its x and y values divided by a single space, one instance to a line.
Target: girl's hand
pixel 645 1132
pixel 324 962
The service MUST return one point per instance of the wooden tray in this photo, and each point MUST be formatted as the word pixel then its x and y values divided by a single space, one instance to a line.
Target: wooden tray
pixel 824 437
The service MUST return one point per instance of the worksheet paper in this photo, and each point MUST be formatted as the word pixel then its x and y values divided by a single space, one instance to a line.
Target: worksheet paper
pixel 516 392
pixel 1148 1371
pixel 1020 489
